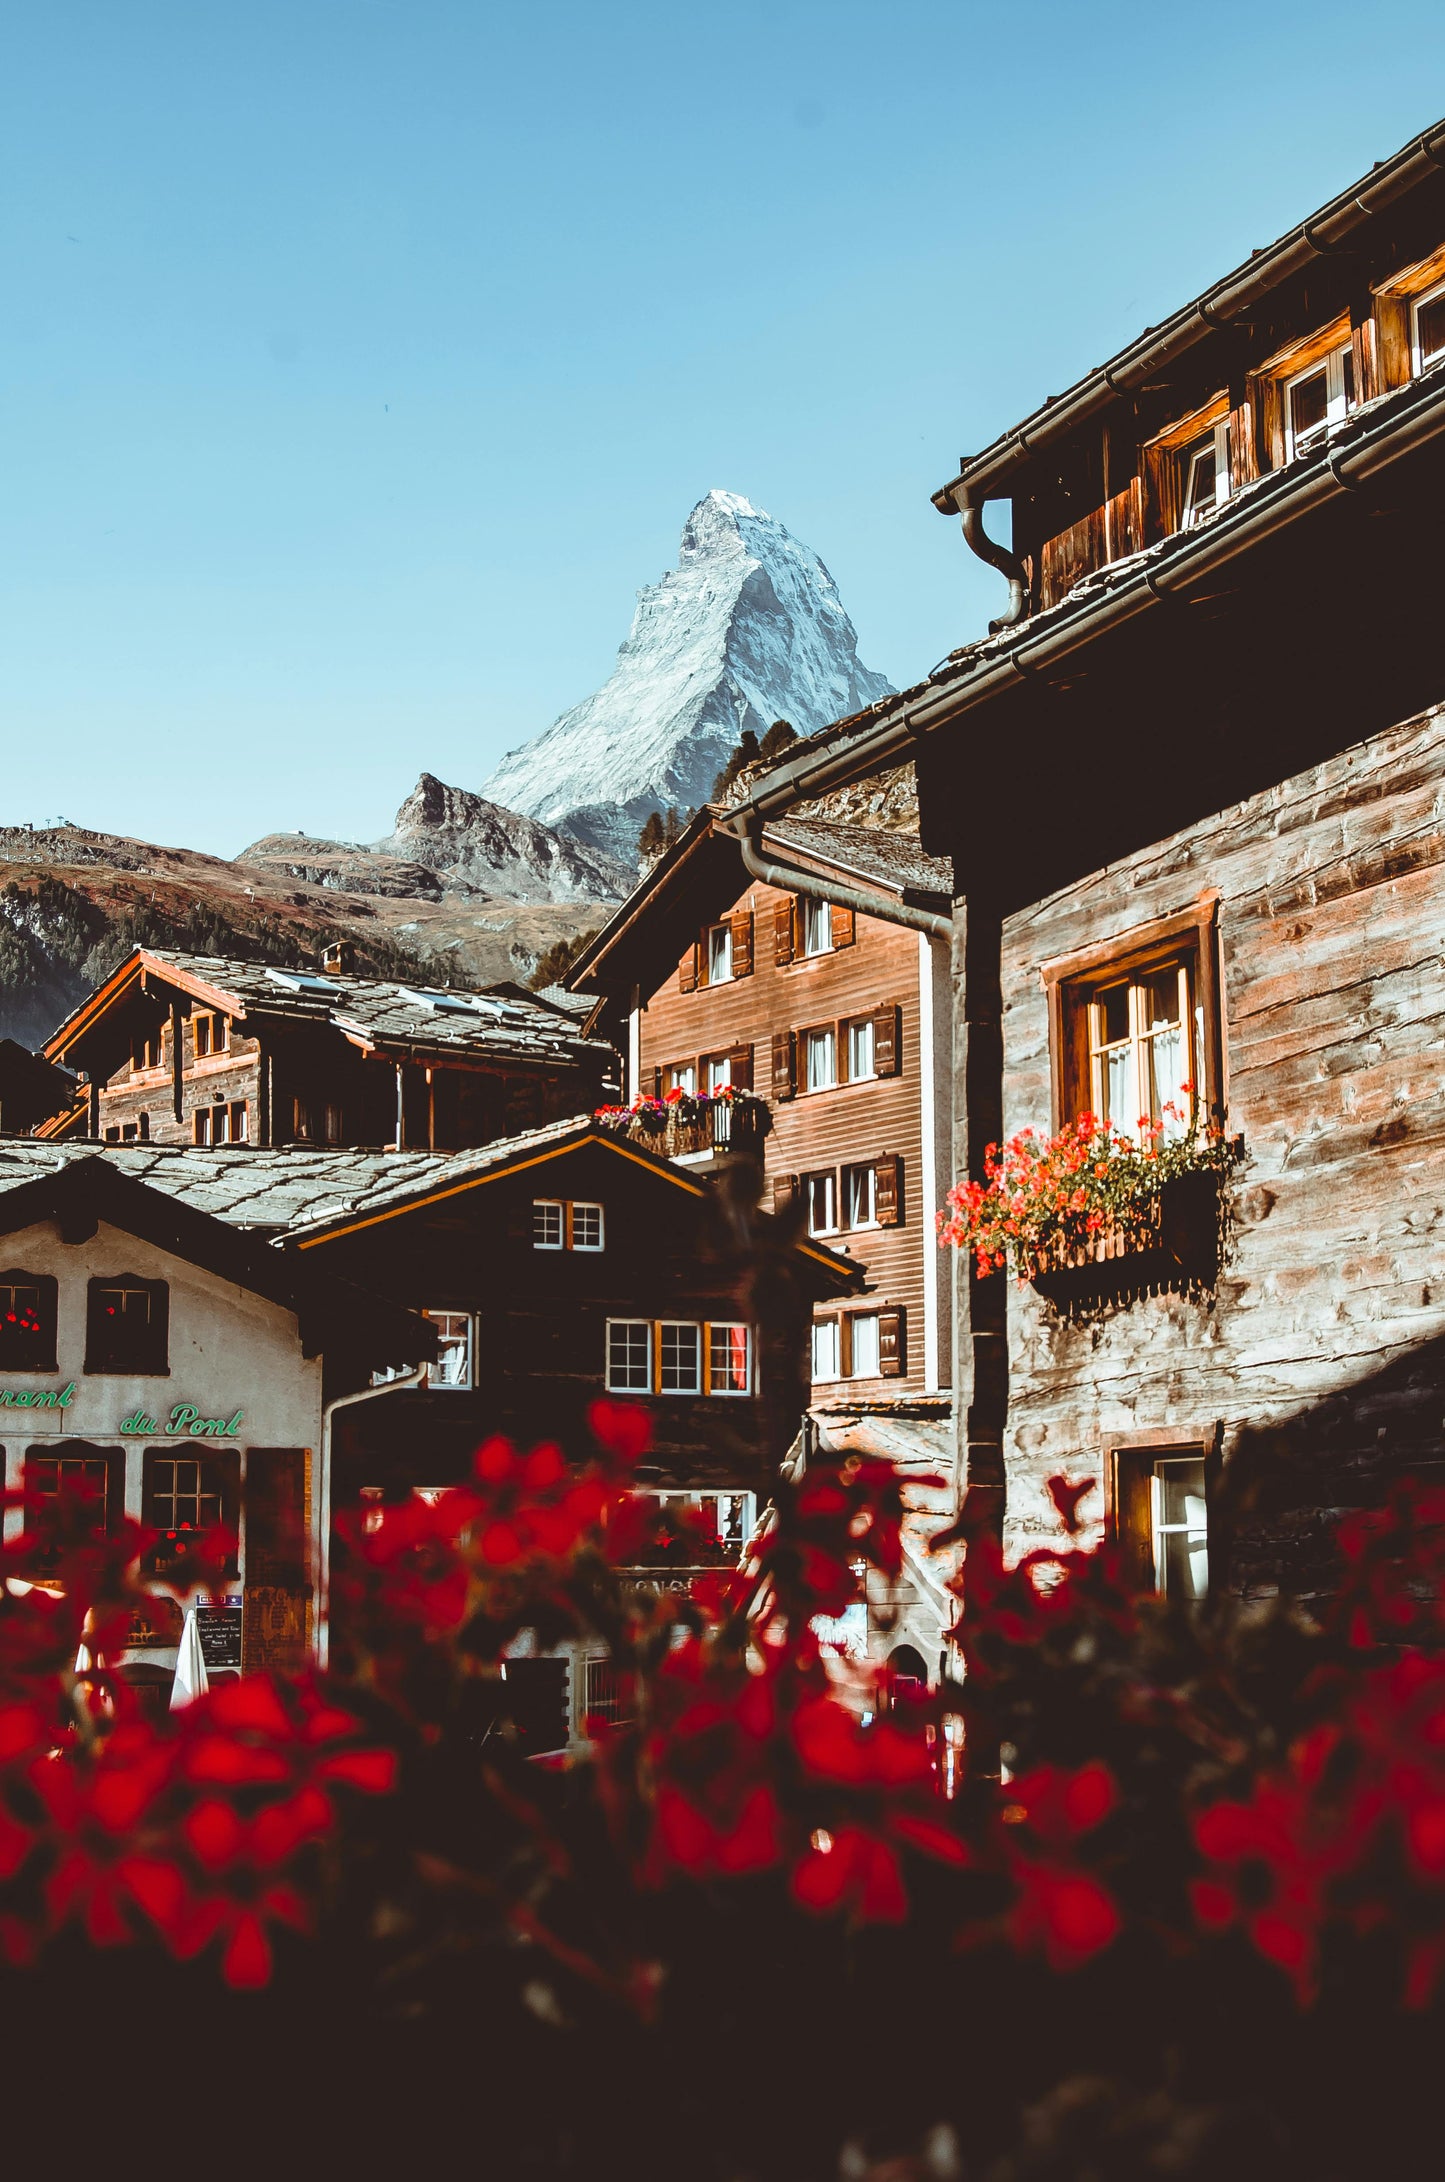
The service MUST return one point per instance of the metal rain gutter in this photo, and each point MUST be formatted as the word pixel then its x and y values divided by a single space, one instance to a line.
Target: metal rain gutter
pixel 1322 235
pixel 1337 470
pixel 745 827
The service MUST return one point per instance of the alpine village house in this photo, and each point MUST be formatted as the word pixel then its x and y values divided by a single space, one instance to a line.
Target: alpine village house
pixel 1217 684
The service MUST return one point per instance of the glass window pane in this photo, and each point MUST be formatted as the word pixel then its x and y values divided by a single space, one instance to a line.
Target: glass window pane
pixel 1166 1076
pixel 817 928
pixel 547 1224
pixel 859 1196
pixel 1347 372
pixel 680 1359
pixel 820 1203
pixel 1308 404
pixel 1181 1489
pixel 1119 1099
pixel 1184 1564
pixel 860 1049
pixel 728 1359
pixel 586 1227
pixel 822 1060
pixel 453 1365
pixel 1199 491
pixel 719 954
pixel 825 1349
pixel 1161 998
pixel 629 1356
pixel 1113 1017
pixel 1430 328
pixel 865 1347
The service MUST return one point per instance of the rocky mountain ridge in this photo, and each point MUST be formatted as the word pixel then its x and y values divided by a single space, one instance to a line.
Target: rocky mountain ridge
pixel 748 628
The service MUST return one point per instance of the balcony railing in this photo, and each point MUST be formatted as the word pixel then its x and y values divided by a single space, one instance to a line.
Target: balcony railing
pixel 682 1125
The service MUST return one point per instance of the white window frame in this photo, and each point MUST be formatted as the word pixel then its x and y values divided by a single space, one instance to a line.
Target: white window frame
pixel 1161 1530
pixel 817 923
pixel 665 1326
pixel 855 1320
pixel 628 1325
pixel 547 1205
pixel 869 1171
pixel 825 1041
pixel 827 1332
pixel 1418 363
pixel 1216 440
pixel 747 1506
pixel 682 1076
pixel 825 1180
pixel 719 952
pixel 466 1384
pixel 730 1326
pixel 583 1204
pixel 862 1037
pixel 1338 402
pixel 717 1069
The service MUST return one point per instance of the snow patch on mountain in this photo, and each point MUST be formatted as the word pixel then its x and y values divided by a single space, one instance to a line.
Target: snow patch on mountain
pixel 747 629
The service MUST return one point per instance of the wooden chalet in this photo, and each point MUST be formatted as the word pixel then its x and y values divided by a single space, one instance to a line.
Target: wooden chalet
pixel 182 1371
pixel 799 1009
pixel 1211 856
pixel 207 1050
pixel 32 1089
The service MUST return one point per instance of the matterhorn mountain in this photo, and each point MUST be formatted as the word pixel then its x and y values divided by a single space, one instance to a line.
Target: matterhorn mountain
pixel 747 629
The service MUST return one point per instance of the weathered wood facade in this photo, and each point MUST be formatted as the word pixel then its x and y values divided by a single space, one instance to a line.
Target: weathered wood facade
pixel 838 1020
pixel 1215 775
pixel 190 1049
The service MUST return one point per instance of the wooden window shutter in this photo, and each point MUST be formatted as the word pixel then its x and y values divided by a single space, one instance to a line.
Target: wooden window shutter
pixel 888 1190
pixel 688 970
pixel 892 1345
pixel 844 929
pixel 742 924
pixel 783 942
pixel 840 1049
pixel 888 1041
pixel 740 1068
pixel 785 1062
pixel 785 1190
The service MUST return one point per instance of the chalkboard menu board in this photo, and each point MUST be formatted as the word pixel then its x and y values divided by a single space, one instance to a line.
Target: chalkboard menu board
pixel 219 1629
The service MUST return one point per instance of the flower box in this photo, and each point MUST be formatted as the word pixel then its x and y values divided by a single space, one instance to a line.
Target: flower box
pixel 683 1126
pixel 1172 1242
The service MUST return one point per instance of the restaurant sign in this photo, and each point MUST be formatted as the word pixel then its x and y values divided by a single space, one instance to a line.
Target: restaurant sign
pixel 185 1420
pixel 37 1397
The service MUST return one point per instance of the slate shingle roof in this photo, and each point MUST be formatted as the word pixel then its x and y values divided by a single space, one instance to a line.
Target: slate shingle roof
pixel 378 1013
pixel 892 859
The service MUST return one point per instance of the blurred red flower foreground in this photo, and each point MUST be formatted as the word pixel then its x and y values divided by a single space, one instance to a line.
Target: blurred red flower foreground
pixel 1100 1779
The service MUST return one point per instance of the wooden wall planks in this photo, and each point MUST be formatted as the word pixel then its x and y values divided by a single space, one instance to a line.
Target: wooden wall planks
pixel 1322 1353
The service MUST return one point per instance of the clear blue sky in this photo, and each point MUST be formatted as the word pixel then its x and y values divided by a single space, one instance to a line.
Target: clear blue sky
pixel 361 358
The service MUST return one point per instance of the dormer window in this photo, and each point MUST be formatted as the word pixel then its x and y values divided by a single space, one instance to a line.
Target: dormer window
pixel 212 1035
pixel 1206 475
pixel 1429 328
pixel 1318 398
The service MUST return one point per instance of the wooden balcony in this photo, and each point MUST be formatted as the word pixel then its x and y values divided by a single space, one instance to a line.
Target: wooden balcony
pixel 693 1128
pixel 1172 1245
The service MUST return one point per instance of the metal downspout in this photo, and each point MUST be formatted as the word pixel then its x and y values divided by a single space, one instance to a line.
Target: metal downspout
pixel 398 1385
pixel 999 557
pixel 745 827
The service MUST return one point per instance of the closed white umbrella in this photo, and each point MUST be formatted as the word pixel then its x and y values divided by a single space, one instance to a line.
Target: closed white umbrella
pixel 191 1680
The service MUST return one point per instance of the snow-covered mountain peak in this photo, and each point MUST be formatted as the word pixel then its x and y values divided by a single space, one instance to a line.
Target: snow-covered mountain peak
pixel 748 628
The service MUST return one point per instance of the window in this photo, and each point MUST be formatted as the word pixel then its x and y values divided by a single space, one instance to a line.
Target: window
pixel 1318 398
pixel 682 1076
pixel 586 1227
pixel 549 1224
pixel 332 1124
pixel 820 1049
pixel 1206 476
pixel 1428 318
pixel 211 1034
pixel 724 1519
pixel 127 1327
pixel 717 1072
pixel 28 1311
pixel 730 1361
pixel 679 1357
pixel 719 954
pixel 1160 1519
pixel 864 1361
pixel 629 1356
pixel 183 1497
pixel 453 1364
pixel 558 1224
pixel 826 1349
pixel 145 1052
pixel 821 1194
pixel 1142 1037
pixel 221 1123
pixel 817 920
pixel 860 1196
pixel 73 1466
pixel 860 1049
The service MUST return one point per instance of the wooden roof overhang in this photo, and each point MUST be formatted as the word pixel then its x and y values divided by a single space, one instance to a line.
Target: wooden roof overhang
pixel 1302 618
pixel 96 1035
pixel 831 1273
pixel 397 1047
pixel 330 1312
